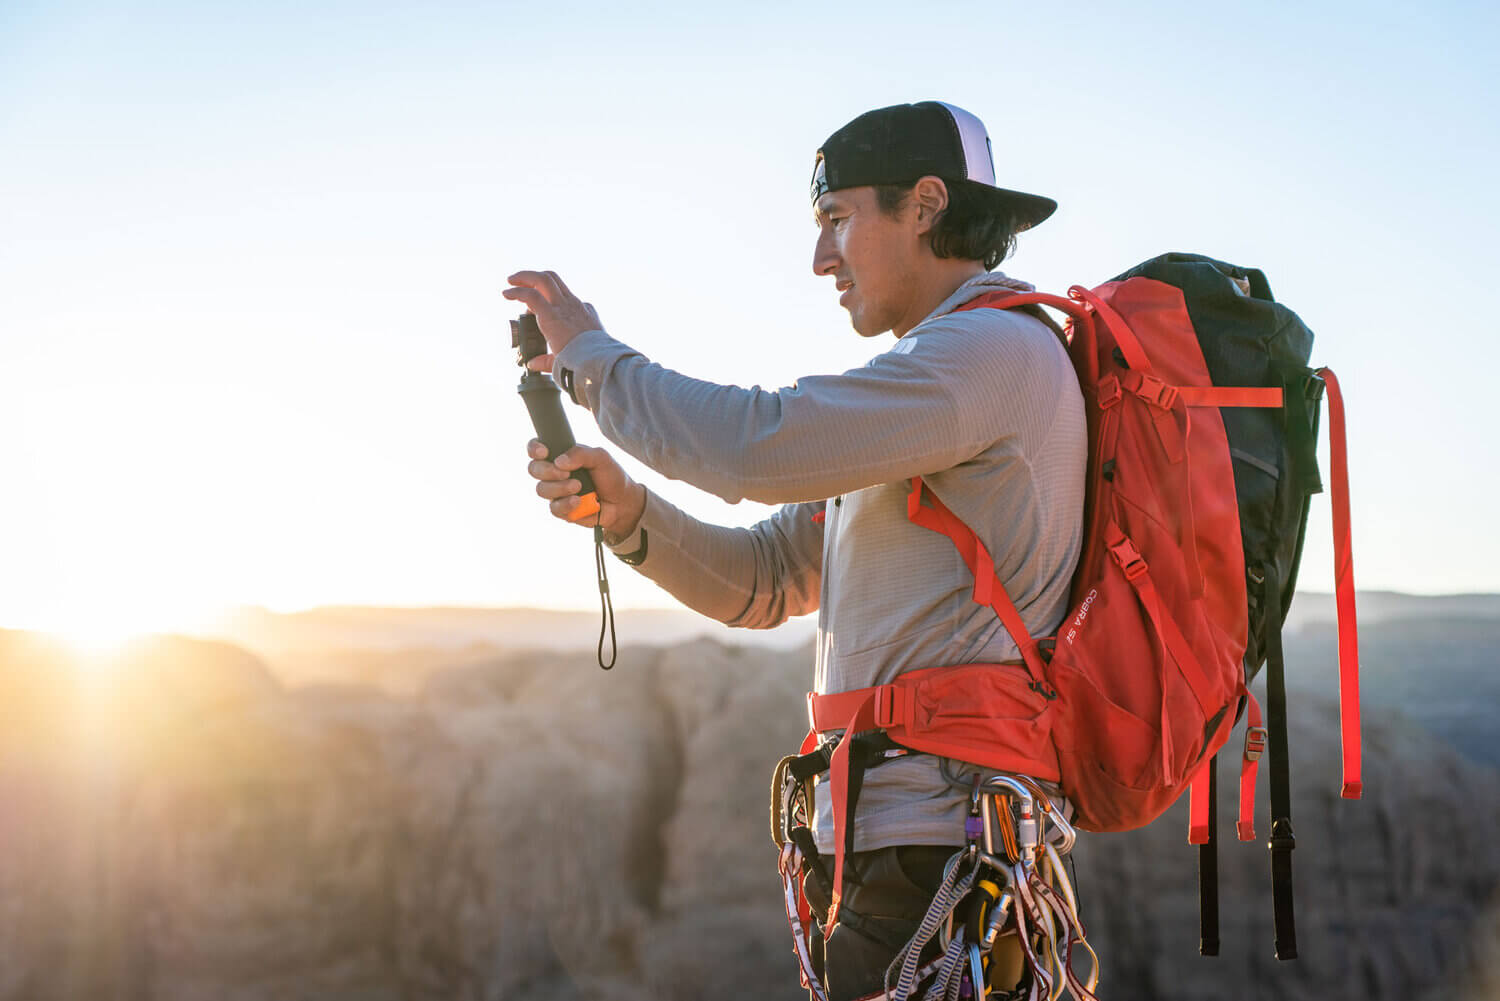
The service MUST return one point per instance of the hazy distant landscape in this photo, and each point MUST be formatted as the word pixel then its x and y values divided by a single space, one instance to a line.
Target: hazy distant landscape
pixel 457 803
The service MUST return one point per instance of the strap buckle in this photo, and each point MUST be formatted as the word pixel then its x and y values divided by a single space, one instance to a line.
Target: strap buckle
pixel 1157 392
pixel 1255 742
pixel 1109 392
pixel 886 705
pixel 1129 558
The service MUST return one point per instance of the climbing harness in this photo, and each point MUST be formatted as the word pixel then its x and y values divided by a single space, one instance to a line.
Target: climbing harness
pixel 1008 882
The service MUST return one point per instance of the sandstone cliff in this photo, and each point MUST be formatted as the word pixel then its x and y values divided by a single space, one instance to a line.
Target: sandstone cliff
pixel 531 828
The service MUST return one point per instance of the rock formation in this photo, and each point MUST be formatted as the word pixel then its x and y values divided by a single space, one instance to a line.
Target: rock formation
pixel 529 828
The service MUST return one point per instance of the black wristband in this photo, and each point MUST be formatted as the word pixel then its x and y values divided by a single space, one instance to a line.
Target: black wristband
pixel 636 558
pixel 565 380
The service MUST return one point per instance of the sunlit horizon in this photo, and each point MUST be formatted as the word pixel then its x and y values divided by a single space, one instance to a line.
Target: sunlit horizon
pixel 107 635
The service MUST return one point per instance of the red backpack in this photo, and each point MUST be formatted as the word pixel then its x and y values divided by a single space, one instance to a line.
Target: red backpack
pixel 1193 529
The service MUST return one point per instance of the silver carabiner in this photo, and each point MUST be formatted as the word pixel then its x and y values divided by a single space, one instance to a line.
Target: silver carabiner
pixel 1032 795
pixel 1067 833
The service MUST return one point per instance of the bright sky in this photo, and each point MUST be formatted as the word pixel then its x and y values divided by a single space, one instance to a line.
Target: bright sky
pixel 252 348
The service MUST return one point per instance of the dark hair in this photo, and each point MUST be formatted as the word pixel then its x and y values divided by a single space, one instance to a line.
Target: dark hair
pixel 970 228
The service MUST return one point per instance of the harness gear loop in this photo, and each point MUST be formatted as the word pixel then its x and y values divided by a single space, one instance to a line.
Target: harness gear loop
pixel 1027 894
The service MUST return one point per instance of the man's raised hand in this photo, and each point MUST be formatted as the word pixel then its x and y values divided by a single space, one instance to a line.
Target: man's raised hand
pixel 560 314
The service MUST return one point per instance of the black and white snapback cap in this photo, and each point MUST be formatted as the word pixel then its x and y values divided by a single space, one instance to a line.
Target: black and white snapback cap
pixel 899 144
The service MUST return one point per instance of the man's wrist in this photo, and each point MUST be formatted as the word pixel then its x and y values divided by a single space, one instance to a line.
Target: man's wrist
pixel 632 549
pixel 628 531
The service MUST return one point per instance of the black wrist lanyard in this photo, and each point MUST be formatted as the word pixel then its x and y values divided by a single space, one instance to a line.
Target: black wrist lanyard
pixel 606 605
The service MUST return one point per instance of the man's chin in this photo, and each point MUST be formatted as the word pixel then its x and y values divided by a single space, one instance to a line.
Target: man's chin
pixel 862 327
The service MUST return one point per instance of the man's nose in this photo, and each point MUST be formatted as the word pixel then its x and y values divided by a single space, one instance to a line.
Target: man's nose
pixel 825 255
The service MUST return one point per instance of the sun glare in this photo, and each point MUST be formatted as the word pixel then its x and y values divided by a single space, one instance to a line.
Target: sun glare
pixel 96 644
pixel 97 636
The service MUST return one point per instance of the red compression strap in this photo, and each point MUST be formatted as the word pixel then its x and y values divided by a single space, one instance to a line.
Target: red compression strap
pixel 987 588
pixel 1255 746
pixel 1137 572
pixel 1343 581
pixel 1130 346
pixel 1230 396
pixel 1198 805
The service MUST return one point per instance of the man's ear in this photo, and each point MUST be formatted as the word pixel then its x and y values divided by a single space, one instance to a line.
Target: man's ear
pixel 930 196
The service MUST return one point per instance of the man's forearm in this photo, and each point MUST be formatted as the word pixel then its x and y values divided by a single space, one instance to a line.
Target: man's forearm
pixel 825 436
pixel 754 577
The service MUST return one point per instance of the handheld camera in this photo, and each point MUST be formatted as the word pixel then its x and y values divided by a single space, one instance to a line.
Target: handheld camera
pixel 544 403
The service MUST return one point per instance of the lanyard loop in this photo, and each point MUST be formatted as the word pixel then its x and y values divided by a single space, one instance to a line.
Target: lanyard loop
pixel 606 605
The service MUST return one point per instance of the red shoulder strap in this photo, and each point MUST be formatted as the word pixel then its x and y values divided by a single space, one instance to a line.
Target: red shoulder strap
pixel 1130 346
pixel 1011 300
pixel 924 509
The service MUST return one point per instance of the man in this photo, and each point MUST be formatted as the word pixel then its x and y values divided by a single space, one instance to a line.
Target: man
pixel 983 404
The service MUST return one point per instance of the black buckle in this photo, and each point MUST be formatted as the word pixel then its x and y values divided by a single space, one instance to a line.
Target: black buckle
pixel 1281 836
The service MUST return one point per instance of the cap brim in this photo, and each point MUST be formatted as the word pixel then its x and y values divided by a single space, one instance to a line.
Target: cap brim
pixel 1030 210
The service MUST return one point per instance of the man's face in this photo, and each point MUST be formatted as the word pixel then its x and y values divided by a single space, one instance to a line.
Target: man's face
pixel 872 257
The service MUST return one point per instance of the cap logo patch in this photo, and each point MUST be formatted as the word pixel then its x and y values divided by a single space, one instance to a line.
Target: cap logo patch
pixel 820 179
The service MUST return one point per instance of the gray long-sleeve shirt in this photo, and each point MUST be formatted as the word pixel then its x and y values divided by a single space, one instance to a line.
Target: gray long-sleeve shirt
pixel 983 404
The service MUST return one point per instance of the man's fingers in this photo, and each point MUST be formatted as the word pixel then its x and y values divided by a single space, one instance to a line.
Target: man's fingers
pixel 542 363
pixel 546 283
pixel 541 469
pixel 536 449
pixel 557 489
pixel 582 457
pixel 564 507
pixel 530 279
pixel 530 297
